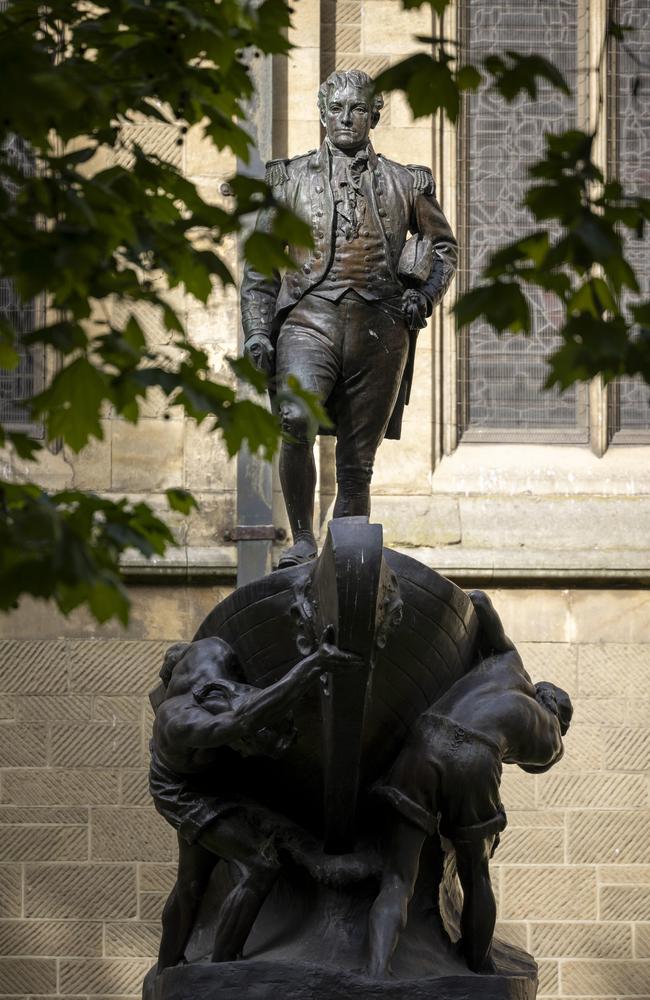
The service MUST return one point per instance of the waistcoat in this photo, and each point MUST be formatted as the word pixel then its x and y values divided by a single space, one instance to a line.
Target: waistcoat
pixel 360 264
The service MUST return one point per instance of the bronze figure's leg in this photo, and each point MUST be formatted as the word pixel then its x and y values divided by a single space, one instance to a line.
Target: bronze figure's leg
pixel 375 348
pixel 240 908
pixel 479 914
pixel 234 838
pixel 298 480
pixel 195 866
pixel 390 909
pixel 306 353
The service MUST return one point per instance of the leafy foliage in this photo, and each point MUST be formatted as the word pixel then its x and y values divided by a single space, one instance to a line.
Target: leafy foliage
pixel 576 249
pixel 66 546
pixel 435 81
pixel 92 235
pixel 584 266
pixel 102 240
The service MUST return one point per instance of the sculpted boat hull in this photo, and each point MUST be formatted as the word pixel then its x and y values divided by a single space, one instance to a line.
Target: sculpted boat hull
pixel 420 657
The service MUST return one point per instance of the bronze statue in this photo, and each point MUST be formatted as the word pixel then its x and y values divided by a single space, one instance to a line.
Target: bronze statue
pixel 447 779
pixel 329 749
pixel 346 321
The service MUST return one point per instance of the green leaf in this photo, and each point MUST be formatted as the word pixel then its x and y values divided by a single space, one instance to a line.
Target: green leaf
pixel 72 403
pixel 591 346
pixel 520 73
pixel 427 82
pixel 562 200
pixel 9 356
pixel 290 229
pixel 468 78
pixel 245 421
pixel 172 319
pixel 621 274
pixel 531 248
pixel 265 253
pixel 66 547
pixel 25 446
pixel 598 236
pixel 245 370
pixel 552 281
pixel 502 304
pixel 64 337
pixel 641 312
pixel 181 501
pixel 107 599
pixel 134 336
pixel 439 6
pixel 593 297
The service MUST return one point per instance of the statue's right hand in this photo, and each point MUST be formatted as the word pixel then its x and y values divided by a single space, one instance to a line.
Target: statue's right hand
pixel 261 352
pixel 331 658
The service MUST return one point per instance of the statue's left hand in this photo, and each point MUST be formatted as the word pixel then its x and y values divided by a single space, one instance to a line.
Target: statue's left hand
pixel 414 308
pixel 260 350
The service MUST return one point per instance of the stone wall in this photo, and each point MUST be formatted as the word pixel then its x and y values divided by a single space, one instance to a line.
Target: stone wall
pixel 86 862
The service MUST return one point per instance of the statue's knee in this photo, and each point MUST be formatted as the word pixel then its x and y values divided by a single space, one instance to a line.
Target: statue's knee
pixel 295 423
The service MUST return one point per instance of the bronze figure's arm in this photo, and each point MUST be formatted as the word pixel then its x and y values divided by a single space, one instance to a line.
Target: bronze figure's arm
pixel 223 713
pixel 428 221
pixel 551 713
pixel 259 292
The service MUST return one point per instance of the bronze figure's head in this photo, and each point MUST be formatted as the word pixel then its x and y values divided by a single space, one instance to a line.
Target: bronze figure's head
pixel 349 108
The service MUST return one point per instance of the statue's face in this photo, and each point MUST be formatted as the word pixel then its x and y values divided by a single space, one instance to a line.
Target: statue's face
pixel 348 118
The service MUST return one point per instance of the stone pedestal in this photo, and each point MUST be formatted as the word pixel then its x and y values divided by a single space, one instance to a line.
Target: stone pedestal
pixel 301 981
pixel 310 943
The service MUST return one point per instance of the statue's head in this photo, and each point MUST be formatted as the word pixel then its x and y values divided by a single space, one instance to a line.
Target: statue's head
pixel 224 695
pixel 349 108
pixel 556 701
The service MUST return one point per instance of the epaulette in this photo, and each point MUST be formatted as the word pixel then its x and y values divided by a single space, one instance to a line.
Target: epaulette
pixel 276 172
pixel 423 178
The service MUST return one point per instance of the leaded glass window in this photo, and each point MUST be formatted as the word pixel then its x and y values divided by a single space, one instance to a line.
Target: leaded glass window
pixel 23 381
pixel 629 155
pixel 501 395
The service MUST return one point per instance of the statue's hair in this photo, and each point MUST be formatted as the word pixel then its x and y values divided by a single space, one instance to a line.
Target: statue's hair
pixel 350 77
pixel 172 656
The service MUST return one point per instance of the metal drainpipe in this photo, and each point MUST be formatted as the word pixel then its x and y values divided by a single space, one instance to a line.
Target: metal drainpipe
pixel 255 533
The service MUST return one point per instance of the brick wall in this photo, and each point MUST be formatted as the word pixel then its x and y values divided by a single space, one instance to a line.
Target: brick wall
pixel 86 863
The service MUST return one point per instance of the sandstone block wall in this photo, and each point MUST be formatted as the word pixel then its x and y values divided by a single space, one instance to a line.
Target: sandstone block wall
pixel 86 862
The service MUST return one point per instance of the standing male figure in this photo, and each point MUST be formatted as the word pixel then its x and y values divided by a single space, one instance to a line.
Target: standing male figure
pixel 344 321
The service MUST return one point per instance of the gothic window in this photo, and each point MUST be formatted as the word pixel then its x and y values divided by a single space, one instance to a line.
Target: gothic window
pixel 501 378
pixel 629 160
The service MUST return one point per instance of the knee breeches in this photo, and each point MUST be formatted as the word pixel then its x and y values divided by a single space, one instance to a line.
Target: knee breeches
pixel 351 353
